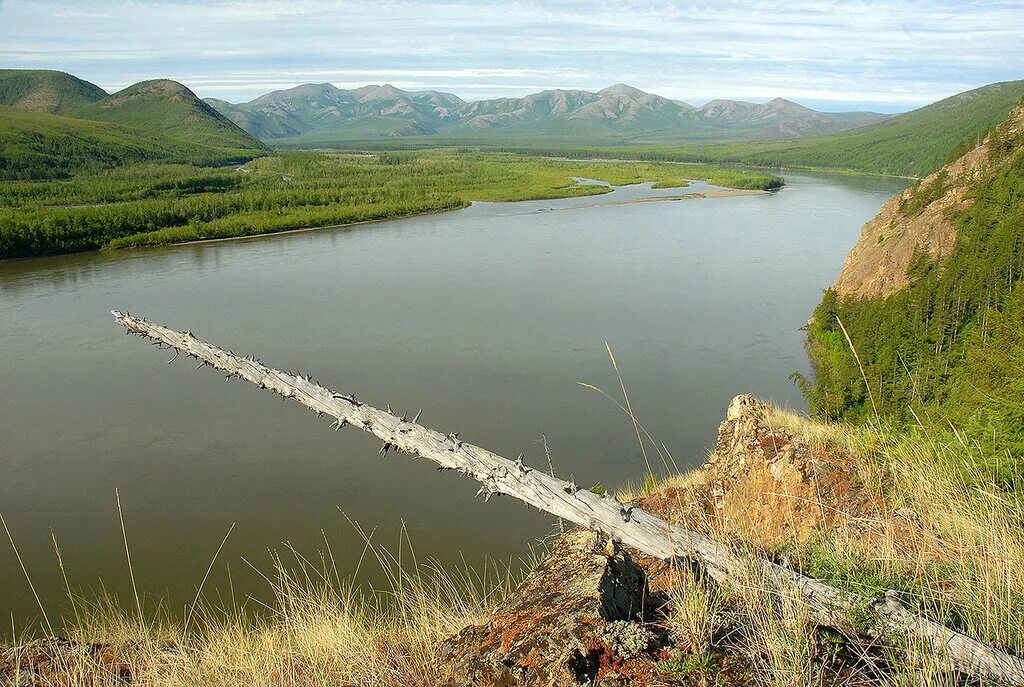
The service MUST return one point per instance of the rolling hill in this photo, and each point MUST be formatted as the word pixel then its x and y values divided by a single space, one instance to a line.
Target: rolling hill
pixel 54 124
pixel 44 90
pixel 39 145
pixel 171 109
pixel 913 143
pixel 319 114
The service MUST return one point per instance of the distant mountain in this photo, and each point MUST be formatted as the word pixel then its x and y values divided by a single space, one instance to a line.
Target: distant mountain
pixel 45 90
pixel 367 111
pixel 169 108
pixel 781 118
pixel 321 113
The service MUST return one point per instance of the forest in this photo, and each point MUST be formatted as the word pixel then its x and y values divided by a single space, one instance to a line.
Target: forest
pixel 951 342
pixel 159 203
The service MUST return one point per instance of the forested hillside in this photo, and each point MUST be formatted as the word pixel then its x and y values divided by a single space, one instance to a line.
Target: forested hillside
pixel 53 125
pixel 36 145
pixel 949 342
pixel 171 109
pixel 45 90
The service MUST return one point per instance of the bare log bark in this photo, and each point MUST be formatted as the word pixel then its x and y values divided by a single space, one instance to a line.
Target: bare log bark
pixel 603 513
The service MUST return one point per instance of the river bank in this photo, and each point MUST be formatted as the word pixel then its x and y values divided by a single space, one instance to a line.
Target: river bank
pixel 160 204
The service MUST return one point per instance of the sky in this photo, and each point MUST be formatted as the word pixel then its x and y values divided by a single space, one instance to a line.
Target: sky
pixel 884 56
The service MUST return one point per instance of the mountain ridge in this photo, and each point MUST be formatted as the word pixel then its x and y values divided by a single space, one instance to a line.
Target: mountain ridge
pixel 322 110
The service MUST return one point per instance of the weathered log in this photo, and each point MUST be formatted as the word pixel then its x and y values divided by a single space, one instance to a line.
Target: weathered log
pixel 602 513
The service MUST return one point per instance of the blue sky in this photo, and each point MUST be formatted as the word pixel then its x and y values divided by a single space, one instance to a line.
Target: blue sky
pixel 886 56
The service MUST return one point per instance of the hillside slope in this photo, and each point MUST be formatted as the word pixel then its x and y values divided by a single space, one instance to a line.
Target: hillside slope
pixel 37 145
pixel 930 298
pixel 914 143
pixel 44 90
pixel 171 109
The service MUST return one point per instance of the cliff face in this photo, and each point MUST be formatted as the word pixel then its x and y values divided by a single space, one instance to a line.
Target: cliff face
pixel 917 219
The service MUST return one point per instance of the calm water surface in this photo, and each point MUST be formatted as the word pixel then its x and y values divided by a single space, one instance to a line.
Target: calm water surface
pixel 486 318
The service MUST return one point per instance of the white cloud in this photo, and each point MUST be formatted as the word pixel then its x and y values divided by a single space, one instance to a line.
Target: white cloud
pixel 892 53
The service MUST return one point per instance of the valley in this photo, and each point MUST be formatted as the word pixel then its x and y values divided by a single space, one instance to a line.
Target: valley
pixel 540 272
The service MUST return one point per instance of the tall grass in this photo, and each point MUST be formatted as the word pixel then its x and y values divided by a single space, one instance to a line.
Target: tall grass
pixel 951 536
pixel 318 629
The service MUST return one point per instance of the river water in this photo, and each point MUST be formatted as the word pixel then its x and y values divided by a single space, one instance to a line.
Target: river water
pixel 485 317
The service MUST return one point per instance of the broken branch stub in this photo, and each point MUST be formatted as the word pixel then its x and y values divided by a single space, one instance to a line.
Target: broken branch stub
pixel 602 513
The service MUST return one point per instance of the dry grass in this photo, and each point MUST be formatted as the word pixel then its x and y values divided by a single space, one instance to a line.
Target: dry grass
pixel 949 538
pixel 952 535
pixel 318 630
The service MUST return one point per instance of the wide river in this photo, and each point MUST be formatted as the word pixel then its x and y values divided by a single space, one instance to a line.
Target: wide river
pixel 487 318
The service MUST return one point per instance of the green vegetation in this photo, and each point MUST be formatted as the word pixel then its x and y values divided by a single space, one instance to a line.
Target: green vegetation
pixel 36 145
pixel 44 90
pixel 158 204
pixel 152 120
pixel 948 346
pixel 172 110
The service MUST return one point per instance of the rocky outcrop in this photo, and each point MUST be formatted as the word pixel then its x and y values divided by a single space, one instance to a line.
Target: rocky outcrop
pixel 554 629
pixel 919 219
pixel 581 615
pixel 764 484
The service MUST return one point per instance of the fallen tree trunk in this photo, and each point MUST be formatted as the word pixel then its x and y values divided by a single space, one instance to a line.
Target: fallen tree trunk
pixel 603 513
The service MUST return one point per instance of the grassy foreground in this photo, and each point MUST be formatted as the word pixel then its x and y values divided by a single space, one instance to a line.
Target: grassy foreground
pixel 153 204
pixel 940 532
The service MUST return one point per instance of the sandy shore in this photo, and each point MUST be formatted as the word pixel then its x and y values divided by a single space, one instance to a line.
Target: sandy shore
pixel 716 193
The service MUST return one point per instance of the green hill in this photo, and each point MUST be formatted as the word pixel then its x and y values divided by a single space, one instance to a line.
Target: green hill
pixel 37 145
pixel 914 143
pixel 931 298
pixel 53 124
pixel 171 109
pixel 45 90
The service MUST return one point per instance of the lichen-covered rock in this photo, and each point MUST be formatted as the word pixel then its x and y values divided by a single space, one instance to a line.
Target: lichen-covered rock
pixel 549 632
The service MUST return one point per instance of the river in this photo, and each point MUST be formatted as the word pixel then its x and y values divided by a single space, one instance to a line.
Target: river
pixel 485 317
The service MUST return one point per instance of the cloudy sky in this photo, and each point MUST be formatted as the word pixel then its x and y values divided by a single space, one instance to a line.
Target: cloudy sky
pixel 886 55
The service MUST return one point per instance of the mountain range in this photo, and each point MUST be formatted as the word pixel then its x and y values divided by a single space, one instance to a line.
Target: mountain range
pixel 323 112
pixel 53 124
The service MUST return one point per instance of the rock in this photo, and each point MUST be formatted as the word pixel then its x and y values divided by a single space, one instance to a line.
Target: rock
pixel 764 484
pixel 43 662
pixel 548 633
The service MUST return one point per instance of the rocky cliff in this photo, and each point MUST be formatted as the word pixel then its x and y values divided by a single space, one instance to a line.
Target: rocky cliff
pixel 919 219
